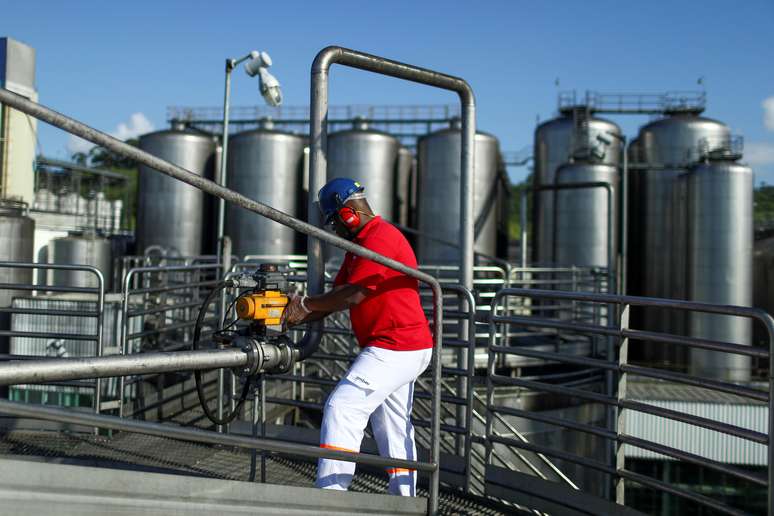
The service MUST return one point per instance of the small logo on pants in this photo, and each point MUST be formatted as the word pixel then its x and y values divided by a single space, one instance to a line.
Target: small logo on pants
pixel 362 380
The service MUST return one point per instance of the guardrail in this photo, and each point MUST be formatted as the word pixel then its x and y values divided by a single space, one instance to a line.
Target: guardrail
pixel 166 301
pixel 30 339
pixel 614 397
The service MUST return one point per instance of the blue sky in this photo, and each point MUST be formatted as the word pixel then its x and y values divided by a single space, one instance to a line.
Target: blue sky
pixel 103 62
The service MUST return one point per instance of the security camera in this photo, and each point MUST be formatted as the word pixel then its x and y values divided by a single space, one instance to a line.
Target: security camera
pixel 258 61
pixel 270 87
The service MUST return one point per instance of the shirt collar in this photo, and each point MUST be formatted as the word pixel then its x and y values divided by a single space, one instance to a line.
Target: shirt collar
pixel 369 226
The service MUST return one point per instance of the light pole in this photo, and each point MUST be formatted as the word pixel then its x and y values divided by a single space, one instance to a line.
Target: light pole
pixel 269 86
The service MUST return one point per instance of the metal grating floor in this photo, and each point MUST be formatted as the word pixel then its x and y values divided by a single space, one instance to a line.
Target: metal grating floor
pixel 135 451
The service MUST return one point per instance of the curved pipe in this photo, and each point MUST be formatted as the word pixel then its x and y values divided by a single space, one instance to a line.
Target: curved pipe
pixel 318 146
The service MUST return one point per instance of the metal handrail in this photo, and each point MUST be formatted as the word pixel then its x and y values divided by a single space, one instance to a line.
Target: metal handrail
pixel 99 290
pixel 203 436
pixel 617 433
pixel 126 315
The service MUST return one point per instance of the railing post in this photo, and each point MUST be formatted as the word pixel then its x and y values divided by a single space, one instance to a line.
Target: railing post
pixel 771 421
pixel 623 356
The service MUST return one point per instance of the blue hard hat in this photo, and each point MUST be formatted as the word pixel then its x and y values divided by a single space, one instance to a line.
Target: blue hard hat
pixel 335 193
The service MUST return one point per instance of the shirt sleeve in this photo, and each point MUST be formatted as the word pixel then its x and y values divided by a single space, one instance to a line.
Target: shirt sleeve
pixel 366 273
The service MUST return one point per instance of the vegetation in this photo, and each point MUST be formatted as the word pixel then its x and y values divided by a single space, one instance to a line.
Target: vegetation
pixel 104 159
pixel 763 206
pixel 514 215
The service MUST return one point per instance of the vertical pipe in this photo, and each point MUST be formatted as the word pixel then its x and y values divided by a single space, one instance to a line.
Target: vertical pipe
pixel 771 418
pixel 254 434
pixel 224 156
pixel 467 185
pixel 262 394
pixel 124 347
pixel 471 373
pixel 523 223
pixel 100 343
pixel 623 357
pixel 624 217
pixel 318 147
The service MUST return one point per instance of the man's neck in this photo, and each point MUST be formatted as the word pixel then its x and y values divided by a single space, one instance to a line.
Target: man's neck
pixel 365 219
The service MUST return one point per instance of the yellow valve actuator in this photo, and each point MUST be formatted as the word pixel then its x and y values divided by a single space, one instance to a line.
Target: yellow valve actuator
pixel 266 306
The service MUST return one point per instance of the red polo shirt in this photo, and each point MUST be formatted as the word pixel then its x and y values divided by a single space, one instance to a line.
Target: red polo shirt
pixel 391 316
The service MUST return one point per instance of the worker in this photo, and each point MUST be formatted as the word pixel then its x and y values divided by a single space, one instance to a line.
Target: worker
pixel 391 329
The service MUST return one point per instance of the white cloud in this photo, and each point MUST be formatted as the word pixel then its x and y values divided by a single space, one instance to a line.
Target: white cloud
pixel 137 124
pixel 75 144
pixel 759 153
pixel 768 112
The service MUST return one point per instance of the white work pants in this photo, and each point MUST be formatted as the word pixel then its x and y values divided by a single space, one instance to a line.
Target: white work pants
pixel 379 385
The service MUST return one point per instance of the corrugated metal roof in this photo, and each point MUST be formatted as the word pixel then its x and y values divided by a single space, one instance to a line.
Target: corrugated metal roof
pixel 693 439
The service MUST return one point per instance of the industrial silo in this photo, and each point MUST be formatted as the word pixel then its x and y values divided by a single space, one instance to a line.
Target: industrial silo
pixel 667 147
pixel 575 133
pixel 403 178
pixel 719 262
pixel 17 232
pixel 586 220
pixel 264 165
pixel 80 250
pixel 171 213
pixel 370 157
pixel 438 195
pixel 16 245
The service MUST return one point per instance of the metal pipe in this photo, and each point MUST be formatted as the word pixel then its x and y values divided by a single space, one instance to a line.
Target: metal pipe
pixel 311 339
pixel 317 172
pixel 59 369
pixel 230 65
pixel 108 142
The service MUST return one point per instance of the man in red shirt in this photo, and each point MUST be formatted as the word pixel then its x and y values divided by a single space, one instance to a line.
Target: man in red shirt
pixel 390 327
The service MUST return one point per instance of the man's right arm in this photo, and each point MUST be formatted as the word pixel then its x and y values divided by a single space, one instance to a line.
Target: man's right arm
pixel 315 308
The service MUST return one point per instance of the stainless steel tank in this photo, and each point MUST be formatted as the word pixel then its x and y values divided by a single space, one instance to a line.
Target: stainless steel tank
pixel 17 232
pixel 438 195
pixel 668 146
pixel 582 215
pixel 719 262
pixel 369 157
pixel 574 133
pixel 403 176
pixel 80 250
pixel 677 139
pixel 264 165
pixel 171 213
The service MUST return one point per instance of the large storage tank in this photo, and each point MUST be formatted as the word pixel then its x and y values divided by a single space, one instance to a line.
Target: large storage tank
pixel 574 133
pixel 667 147
pixel 171 213
pixel 16 245
pixel 17 232
pixel 583 215
pixel 369 157
pixel 403 179
pixel 438 195
pixel 719 262
pixel 80 250
pixel 264 165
